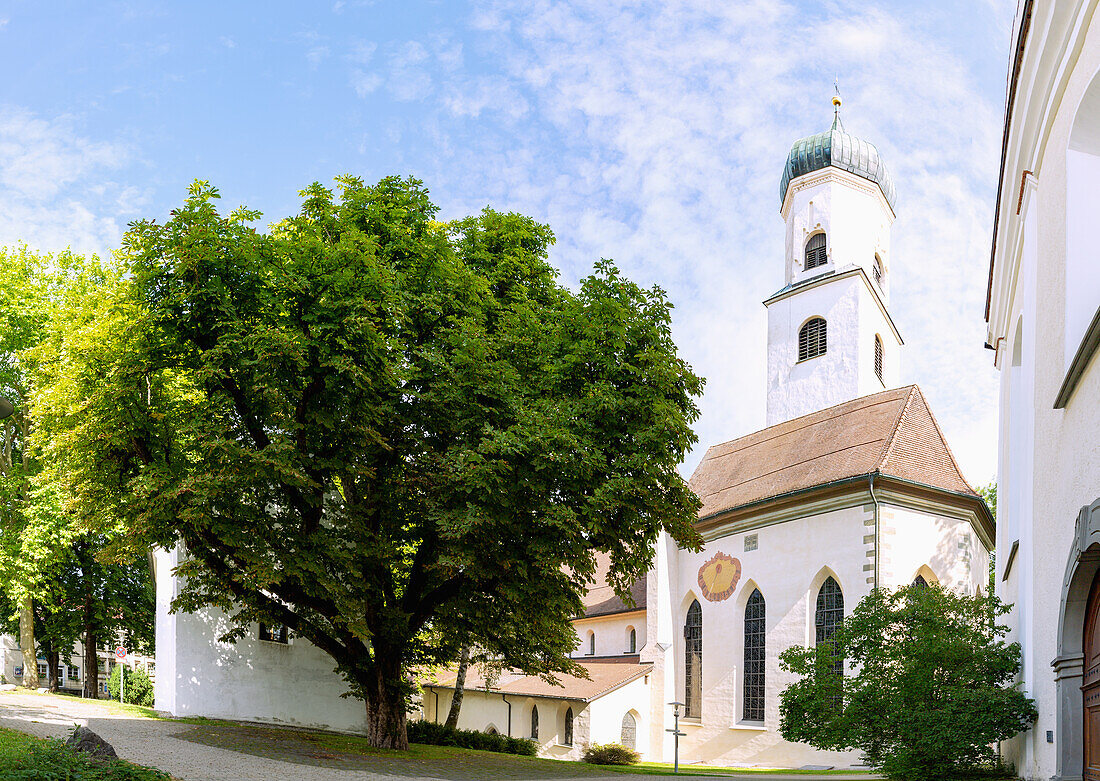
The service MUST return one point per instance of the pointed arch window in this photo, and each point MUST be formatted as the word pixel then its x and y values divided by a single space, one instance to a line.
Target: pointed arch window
pixel 534 722
pixel 812 338
pixel 877 271
pixel 568 741
pixel 693 661
pixel 878 359
pixel 591 644
pixel 829 613
pixel 815 251
pixel 631 641
pixel 920 582
pixel 628 735
pixel 753 696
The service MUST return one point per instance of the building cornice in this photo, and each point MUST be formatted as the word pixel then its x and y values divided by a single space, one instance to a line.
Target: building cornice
pixel 832 173
pixel 825 279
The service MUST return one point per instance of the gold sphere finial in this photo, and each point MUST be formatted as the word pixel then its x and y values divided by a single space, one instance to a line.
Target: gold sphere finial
pixel 836 100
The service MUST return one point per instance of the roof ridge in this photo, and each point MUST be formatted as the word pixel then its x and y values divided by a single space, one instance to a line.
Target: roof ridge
pixel 889 446
pixel 943 439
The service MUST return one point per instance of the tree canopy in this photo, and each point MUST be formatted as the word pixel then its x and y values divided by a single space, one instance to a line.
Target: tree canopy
pixel 384 431
pixel 930 687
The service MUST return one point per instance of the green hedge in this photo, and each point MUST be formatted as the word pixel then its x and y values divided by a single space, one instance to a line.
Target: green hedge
pixel 441 735
pixel 50 759
pixel 610 754
pixel 139 689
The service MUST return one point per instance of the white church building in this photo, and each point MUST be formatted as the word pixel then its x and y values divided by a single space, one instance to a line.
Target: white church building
pixel 850 486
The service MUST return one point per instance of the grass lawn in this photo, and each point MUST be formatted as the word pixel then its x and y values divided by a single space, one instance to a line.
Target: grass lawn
pixel 14 746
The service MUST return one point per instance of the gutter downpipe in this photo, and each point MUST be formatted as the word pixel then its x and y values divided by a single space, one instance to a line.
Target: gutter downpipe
pixel 878 556
pixel 509 713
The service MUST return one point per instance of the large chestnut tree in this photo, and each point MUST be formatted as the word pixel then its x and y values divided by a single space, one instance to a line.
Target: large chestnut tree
pixel 384 431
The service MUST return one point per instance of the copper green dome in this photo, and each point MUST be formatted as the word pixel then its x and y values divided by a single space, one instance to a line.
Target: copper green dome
pixel 841 150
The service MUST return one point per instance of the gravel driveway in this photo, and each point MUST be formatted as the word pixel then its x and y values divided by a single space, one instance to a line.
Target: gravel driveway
pixel 221 752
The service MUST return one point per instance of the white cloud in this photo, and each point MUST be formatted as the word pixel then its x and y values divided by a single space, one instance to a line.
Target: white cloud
pixel 409 77
pixel 656 134
pixel 364 83
pixel 55 186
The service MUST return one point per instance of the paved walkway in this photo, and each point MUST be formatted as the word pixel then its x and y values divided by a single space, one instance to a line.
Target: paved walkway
pixel 221 752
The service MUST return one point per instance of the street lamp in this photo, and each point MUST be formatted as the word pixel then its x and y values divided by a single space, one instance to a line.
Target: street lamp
pixel 676 735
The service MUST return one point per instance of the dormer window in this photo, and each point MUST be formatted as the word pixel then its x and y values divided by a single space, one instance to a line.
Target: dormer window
pixel 815 251
pixel 812 339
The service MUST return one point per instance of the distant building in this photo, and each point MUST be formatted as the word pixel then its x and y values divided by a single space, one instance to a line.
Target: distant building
pixel 71 671
pixel 851 486
pixel 1044 329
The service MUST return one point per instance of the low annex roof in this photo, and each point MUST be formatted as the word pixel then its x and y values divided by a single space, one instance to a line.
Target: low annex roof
pixel 890 433
pixel 601 599
pixel 605 676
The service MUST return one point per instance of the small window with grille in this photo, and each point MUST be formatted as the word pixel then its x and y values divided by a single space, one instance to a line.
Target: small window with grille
pixel 812 339
pixel 878 359
pixel 815 251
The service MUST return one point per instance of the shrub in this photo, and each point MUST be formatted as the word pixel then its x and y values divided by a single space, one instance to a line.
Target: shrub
pixel 139 688
pixel 441 735
pixel 610 754
pixel 50 759
pixel 929 692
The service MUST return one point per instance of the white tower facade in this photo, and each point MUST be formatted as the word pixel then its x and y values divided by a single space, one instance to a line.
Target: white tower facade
pixel 830 335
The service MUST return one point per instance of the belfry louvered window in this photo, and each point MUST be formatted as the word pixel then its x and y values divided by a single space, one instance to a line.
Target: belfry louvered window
pixel 812 339
pixel 815 251
pixel 877 269
pixel 693 662
pixel 878 359
pixel 754 658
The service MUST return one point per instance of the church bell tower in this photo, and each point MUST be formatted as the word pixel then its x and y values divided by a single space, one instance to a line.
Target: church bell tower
pixel 830 335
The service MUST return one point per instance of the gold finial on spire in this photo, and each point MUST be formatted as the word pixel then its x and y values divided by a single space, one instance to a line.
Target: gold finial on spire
pixel 836 100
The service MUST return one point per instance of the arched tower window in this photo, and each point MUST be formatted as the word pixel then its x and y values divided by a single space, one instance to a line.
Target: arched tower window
pixel 631 640
pixel 829 613
pixel 812 339
pixel 693 662
pixel 877 270
pixel 815 251
pixel 628 735
pixel 534 722
pixel 878 359
pixel 754 658
pixel 568 740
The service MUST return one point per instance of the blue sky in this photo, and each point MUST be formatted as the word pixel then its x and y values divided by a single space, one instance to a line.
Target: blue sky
pixel 649 132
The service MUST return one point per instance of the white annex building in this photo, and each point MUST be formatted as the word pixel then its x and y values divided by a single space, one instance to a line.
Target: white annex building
pixel 851 486
pixel 1043 315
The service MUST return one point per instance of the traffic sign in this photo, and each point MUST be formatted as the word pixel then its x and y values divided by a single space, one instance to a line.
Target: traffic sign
pixel 120 652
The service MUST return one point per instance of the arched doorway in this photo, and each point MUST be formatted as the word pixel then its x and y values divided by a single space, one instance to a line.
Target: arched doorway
pixel 1090 682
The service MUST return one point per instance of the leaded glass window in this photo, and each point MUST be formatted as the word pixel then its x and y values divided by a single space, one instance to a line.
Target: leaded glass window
pixel 568 727
pixel 815 251
pixel 754 658
pixel 534 722
pixel 812 339
pixel 631 641
pixel 629 733
pixel 830 612
pixel 693 662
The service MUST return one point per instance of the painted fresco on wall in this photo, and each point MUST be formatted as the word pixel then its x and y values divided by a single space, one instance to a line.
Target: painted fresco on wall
pixel 718 577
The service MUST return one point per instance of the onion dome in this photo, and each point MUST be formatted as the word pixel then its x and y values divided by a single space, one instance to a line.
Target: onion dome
pixel 841 150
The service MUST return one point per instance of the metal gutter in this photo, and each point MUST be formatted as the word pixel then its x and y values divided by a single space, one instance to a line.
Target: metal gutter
pixel 1010 104
pixel 878 553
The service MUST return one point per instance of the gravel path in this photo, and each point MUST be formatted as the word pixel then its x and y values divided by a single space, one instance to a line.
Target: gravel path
pixel 219 752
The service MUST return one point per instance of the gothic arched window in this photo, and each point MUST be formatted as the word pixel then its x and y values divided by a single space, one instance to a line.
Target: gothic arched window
pixel 628 735
pixel 568 741
pixel 693 662
pixel 812 338
pixel 534 722
pixel 754 658
pixel 878 359
pixel 920 582
pixel 631 640
pixel 877 270
pixel 591 644
pixel 815 251
pixel 829 613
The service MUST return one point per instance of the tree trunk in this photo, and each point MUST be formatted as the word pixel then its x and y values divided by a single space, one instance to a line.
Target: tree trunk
pixel 386 708
pixel 53 662
pixel 460 687
pixel 26 643
pixel 91 664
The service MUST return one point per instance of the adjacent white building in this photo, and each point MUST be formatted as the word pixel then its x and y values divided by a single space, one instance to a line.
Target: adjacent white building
pixel 851 486
pixel 1044 329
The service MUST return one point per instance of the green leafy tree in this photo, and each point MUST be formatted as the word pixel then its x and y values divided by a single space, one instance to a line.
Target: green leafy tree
pixel 383 431
pixel 989 495
pixel 930 688
pixel 139 687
